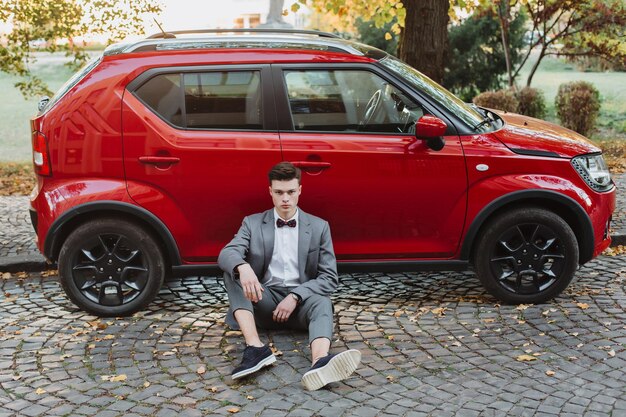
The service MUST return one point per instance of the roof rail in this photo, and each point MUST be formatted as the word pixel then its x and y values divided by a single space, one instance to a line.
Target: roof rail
pixel 172 34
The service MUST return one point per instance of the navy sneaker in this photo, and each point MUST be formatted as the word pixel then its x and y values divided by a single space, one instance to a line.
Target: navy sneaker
pixel 331 368
pixel 254 358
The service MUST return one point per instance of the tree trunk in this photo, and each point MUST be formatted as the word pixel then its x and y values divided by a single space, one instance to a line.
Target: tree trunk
pixel 534 68
pixel 425 36
pixel 504 16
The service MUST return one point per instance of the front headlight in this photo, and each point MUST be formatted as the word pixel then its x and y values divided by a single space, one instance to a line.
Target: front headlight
pixel 594 171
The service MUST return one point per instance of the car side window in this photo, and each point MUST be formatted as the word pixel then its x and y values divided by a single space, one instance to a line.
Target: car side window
pixel 348 101
pixel 206 100
pixel 223 100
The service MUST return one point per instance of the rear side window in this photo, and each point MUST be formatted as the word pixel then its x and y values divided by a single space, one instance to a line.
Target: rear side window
pixel 206 100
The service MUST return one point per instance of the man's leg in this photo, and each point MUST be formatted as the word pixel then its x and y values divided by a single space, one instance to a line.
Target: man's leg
pixel 317 311
pixel 256 355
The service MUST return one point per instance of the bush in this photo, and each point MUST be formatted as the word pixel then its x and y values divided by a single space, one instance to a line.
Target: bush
pixel 577 106
pixel 499 100
pixel 531 102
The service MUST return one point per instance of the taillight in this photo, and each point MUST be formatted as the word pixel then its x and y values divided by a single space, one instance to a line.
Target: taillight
pixel 41 158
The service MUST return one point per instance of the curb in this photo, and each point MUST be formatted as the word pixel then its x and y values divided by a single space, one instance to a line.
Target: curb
pixel 37 263
pixel 24 263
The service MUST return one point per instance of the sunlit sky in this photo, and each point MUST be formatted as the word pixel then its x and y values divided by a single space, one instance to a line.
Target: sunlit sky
pixel 195 14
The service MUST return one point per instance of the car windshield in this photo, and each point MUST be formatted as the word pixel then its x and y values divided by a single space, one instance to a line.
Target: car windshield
pixel 468 114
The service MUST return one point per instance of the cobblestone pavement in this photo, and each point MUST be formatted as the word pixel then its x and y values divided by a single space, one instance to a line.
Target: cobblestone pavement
pixel 433 344
pixel 17 236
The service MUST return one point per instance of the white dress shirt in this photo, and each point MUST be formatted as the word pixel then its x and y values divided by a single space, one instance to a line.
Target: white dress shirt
pixel 283 268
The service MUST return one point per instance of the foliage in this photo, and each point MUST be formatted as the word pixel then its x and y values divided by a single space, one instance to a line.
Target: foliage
pixel 577 106
pixel 531 102
pixel 375 36
pixel 476 58
pixel 58 23
pixel 499 100
pixel 566 28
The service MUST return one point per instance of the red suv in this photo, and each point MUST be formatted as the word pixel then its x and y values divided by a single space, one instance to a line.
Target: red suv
pixel 148 159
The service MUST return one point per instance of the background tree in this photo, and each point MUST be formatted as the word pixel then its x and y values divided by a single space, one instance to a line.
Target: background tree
pixel 63 20
pixel 371 35
pixel 421 26
pixel 581 28
pixel 476 60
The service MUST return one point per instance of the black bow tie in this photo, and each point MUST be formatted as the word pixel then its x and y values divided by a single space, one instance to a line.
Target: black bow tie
pixel 290 223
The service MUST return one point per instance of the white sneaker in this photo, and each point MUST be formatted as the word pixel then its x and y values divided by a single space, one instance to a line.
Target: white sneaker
pixel 331 368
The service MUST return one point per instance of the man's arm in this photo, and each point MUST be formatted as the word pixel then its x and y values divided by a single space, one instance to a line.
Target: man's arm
pixel 234 256
pixel 327 278
pixel 235 252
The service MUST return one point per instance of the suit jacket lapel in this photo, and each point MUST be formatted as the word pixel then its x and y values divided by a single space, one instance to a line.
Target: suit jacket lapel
pixel 304 242
pixel 267 232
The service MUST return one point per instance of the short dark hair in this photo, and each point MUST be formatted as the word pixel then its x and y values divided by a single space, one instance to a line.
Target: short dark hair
pixel 284 171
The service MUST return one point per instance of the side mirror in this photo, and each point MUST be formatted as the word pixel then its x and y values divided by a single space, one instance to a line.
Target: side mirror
pixel 431 129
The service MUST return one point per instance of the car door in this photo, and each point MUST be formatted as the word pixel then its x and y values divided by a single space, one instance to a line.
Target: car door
pixel 198 142
pixel 386 195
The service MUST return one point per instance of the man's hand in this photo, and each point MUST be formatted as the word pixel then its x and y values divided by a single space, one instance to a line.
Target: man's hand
pixel 250 283
pixel 284 309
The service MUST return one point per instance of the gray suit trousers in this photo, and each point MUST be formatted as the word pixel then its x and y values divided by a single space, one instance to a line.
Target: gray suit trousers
pixel 314 314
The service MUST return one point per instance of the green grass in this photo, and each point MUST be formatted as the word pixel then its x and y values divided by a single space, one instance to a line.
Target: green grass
pixel 17 111
pixel 611 85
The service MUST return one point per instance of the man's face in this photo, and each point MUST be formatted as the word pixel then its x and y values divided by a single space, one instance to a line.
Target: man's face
pixel 285 196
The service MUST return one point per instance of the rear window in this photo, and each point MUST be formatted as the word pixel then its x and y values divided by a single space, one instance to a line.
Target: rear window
pixel 206 100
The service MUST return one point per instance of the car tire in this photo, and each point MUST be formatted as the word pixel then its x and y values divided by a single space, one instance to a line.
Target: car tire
pixel 527 255
pixel 111 267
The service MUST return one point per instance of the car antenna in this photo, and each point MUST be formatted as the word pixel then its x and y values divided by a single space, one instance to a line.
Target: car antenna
pixel 166 35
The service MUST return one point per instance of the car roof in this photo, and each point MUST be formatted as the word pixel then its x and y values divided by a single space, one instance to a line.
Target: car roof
pixel 246 39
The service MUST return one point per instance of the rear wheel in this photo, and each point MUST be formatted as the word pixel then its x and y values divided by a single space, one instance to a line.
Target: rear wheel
pixel 111 267
pixel 527 255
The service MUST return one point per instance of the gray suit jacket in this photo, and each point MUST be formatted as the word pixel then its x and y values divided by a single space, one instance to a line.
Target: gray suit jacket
pixel 254 244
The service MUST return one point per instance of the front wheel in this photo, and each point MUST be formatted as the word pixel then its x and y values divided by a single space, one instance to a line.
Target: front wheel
pixel 111 267
pixel 527 255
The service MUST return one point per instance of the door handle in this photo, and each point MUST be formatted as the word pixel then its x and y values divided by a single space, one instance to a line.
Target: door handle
pixel 311 164
pixel 159 160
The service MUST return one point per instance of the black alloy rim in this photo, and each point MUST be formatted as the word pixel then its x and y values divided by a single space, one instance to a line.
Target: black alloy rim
pixel 528 259
pixel 110 270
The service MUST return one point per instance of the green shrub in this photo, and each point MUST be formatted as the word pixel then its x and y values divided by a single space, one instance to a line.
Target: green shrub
pixel 499 100
pixel 531 102
pixel 577 106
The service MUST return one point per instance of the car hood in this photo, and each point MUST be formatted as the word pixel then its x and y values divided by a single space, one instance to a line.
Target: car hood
pixel 527 135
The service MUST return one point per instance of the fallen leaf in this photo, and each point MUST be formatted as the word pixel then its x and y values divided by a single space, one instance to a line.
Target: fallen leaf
pixel 233 410
pixel 390 378
pixel 611 353
pixel 6 275
pixel 583 306
pixel 118 378
pixel 250 397
pixel 580 345
pixel 146 384
pixel 108 337
pixel 526 358
pixel 213 389
pixel 105 377
pixel 522 307
pixel 201 370
pixel 17 377
pixel 439 311
pixel 390 337
pixel 489 320
pixel 40 391
pixel 521 322
pixel 550 373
